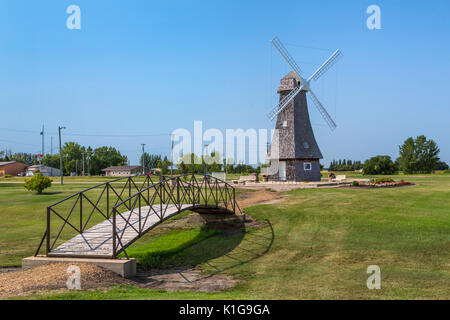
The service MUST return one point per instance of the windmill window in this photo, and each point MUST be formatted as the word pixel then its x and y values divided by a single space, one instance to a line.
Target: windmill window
pixel 284 124
pixel 306 145
pixel 307 166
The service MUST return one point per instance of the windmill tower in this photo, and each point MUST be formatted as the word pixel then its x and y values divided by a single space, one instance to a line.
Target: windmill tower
pixel 294 148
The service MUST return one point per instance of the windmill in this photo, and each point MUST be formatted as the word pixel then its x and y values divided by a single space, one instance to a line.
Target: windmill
pixel 294 147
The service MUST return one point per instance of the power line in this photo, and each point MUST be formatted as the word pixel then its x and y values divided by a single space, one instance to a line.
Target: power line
pixel 90 135
pixel 117 135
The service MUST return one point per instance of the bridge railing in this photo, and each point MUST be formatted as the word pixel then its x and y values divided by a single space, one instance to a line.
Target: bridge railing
pixel 77 213
pixel 156 203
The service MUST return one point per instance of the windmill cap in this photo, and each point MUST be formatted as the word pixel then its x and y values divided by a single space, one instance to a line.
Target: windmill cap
pixel 288 82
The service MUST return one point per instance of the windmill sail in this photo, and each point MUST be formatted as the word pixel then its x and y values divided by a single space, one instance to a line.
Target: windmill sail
pixel 331 61
pixel 286 56
pixel 283 103
pixel 322 111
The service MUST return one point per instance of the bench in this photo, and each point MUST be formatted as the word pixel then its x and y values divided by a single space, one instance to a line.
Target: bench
pixel 340 178
pixel 250 178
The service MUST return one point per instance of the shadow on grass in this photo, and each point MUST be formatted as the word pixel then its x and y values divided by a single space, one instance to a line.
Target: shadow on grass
pixel 219 245
pixel 48 193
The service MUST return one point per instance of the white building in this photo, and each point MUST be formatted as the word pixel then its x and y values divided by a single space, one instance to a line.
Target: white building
pixel 46 171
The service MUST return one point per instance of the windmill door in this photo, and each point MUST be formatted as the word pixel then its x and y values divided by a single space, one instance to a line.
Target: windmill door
pixel 282 171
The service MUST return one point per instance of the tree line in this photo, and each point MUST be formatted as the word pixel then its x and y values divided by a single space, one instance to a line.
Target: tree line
pixel 191 163
pixel 73 157
pixel 27 158
pixel 345 165
pixel 419 155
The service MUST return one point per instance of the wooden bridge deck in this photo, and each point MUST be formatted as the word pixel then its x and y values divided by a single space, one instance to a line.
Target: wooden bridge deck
pixel 98 240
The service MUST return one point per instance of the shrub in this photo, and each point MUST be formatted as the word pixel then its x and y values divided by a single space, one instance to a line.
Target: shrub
pixel 355 183
pixel 38 183
pixel 441 165
pixel 383 180
pixel 7 176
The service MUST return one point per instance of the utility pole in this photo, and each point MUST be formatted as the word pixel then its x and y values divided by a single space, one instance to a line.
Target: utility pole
pixel 42 153
pixel 60 154
pixel 76 167
pixel 51 145
pixel 82 159
pixel 88 158
pixel 143 158
pixel 206 149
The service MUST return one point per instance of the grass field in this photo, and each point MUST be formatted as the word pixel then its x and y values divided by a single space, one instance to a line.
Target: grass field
pixel 322 242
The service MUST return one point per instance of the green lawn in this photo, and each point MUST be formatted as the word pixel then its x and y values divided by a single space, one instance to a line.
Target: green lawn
pixel 322 242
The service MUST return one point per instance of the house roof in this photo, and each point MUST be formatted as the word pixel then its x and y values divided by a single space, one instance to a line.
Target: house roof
pixel 37 166
pixel 115 168
pixel 5 163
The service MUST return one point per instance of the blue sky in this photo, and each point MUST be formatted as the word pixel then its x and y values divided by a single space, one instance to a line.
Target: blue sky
pixel 147 68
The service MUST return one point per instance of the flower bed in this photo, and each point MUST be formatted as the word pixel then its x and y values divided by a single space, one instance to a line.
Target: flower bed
pixel 375 184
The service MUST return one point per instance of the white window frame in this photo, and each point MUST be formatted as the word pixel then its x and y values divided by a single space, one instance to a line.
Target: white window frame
pixel 305 164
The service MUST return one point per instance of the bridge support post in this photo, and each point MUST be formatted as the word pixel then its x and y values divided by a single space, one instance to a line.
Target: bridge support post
pixel 234 200
pixel 114 234
pixel 178 191
pixel 107 201
pixel 129 193
pixel 81 212
pixel 140 217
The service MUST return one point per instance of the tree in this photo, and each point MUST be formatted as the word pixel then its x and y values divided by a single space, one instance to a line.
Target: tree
pixel 418 155
pixel 51 160
pixel 183 168
pixel 71 152
pixel 38 183
pixel 150 160
pixel 379 165
pixel 105 157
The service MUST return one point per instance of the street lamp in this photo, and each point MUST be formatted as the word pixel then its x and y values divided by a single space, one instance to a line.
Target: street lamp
pixel 60 154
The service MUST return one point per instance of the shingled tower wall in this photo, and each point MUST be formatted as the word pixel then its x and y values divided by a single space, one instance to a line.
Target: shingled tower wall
pixel 297 144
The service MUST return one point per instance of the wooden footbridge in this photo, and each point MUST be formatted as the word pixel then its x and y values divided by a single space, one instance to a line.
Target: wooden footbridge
pixel 102 221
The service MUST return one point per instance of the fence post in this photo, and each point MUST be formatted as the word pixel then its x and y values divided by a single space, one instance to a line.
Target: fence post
pixel 47 250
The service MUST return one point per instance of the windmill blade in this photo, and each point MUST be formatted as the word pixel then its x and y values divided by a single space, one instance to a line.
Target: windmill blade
pixel 286 56
pixel 331 61
pixel 283 103
pixel 322 111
